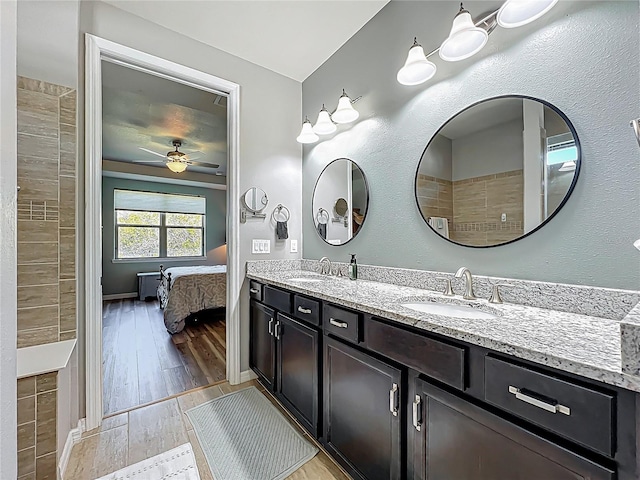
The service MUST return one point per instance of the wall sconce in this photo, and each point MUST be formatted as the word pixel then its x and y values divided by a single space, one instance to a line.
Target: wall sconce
pixel 326 122
pixel 467 38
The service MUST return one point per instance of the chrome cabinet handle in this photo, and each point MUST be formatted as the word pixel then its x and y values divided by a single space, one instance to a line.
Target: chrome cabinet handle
pixel 338 323
pixel 254 290
pixel 549 407
pixel 277 330
pixel 271 327
pixel 417 413
pixel 393 400
pixel 306 311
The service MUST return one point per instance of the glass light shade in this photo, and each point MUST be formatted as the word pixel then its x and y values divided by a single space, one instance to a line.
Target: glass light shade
pixel 569 166
pixel 515 13
pixel 176 167
pixel 465 39
pixel 345 113
pixel 324 125
pixel 417 69
pixel 306 134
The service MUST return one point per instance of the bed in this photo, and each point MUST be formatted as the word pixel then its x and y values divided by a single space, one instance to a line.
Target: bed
pixel 187 290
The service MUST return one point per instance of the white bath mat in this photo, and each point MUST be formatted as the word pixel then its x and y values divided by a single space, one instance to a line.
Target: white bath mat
pixel 244 437
pixel 176 464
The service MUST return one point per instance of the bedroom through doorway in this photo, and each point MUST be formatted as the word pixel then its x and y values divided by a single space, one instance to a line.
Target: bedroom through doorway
pixel 164 238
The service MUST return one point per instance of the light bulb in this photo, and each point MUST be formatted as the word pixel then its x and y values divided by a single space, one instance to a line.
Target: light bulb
pixel 176 167
pixel 417 69
pixel 324 125
pixel 306 134
pixel 515 13
pixel 345 113
pixel 464 40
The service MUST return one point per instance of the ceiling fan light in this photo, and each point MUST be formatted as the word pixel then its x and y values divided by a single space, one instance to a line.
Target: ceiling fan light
pixel 417 69
pixel 516 13
pixel 176 166
pixel 307 134
pixel 464 40
pixel 345 113
pixel 324 125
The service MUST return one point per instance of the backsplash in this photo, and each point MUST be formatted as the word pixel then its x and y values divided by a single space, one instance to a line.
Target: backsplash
pixel 47 156
pixel 593 301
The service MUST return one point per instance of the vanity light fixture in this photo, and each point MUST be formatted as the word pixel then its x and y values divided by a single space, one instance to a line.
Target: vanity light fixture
pixel 516 13
pixel 465 39
pixel 307 135
pixel 345 113
pixel 417 69
pixel 324 125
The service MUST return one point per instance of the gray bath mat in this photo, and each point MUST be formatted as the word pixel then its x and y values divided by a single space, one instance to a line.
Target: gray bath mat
pixel 244 437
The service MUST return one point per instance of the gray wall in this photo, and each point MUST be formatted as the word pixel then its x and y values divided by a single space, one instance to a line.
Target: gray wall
pixel 582 57
pixel 437 160
pixel 120 277
pixel 493 150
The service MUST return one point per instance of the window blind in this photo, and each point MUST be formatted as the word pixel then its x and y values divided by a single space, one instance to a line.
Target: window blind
pixel 158 202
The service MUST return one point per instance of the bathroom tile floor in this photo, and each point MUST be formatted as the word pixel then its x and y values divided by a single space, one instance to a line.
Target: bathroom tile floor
pixel 141 433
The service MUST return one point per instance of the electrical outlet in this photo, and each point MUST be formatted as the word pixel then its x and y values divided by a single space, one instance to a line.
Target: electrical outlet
pixel 503 217
pixel 294 246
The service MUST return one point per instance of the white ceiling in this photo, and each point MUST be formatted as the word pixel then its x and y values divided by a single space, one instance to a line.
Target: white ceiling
pixel 292 38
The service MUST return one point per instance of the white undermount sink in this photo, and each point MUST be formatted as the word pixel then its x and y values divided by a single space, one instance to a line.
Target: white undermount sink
pixel 449 310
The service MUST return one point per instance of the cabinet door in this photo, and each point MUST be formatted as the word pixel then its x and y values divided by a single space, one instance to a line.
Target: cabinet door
pixel 297 366
pixel 362 412
pixel 463 441
pixel 262 347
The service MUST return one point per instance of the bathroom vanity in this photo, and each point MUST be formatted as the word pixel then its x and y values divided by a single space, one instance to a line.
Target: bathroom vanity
pixel 394 393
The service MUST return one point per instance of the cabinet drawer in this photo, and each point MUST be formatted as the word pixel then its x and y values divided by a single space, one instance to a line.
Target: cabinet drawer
pixel 276 298
pixel 255 290
pixel 578 413
pixel 341 323
pixel 306 309
pixel 434 358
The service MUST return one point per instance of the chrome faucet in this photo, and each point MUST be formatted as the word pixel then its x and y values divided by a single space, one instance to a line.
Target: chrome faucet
pixel 468 283
pixel 325 268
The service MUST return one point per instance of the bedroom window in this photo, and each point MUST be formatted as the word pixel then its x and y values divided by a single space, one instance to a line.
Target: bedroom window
pixel 156 225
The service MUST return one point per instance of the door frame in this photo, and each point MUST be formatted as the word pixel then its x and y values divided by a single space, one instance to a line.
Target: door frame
pixel 96 50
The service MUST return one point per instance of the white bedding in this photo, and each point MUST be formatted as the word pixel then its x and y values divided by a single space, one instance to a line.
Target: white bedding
pixel 177 272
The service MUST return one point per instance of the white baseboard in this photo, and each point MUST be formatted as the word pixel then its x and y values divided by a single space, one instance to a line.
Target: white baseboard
pixel 247 375
pixel 74 436
pixel 118 296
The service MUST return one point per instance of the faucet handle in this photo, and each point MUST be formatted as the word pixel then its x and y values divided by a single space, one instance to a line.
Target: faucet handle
pixel 495 292
pixel 448 290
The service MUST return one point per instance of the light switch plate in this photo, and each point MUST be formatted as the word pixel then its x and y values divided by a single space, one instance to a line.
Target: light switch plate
pixel 294 246
pixel 260 246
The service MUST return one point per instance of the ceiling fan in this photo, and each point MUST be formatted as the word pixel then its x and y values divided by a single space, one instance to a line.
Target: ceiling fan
pixel 176 160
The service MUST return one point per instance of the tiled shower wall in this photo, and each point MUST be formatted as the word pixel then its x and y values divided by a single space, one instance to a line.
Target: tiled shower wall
pixel 46 258
pixel 46 212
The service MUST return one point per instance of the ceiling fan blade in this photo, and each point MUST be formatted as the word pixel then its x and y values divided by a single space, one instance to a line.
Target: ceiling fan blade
pixel 194 155
pixel 152 152
pixel 148 161
pixel 206 165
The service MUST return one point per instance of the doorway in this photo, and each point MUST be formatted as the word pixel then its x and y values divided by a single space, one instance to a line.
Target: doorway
pixel 98 51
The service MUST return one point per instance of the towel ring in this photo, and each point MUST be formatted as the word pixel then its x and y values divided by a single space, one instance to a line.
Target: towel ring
pixel 322 216
pixel 279 210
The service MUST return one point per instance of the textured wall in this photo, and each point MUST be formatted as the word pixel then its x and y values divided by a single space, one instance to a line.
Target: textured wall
pixel 121 277
pixel 46 212
pixel 583 57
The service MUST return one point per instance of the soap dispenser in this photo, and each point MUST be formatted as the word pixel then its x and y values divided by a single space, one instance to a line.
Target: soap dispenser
pixel 353 268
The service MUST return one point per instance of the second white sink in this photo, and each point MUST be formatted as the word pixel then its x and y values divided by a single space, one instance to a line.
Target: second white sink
pixel 448 310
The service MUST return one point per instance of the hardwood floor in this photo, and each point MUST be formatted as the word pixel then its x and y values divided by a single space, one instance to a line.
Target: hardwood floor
pixel 133 436
pixel 143 363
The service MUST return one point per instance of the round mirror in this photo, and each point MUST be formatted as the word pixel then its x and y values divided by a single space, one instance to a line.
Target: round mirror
pixel 497 171
pixel 255 199
pixel 341 207
pixel 340 201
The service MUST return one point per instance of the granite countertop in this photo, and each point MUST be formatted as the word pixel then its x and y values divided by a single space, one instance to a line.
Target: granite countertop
pixel 580 344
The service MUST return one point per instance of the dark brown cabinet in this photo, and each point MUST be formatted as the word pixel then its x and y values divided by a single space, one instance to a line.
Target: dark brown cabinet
pixel 455 439
pixel 262 348
pixel 298 369
pixel 362 412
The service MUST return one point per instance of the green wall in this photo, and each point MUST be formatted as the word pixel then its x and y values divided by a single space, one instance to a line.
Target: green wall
pixel 120 278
